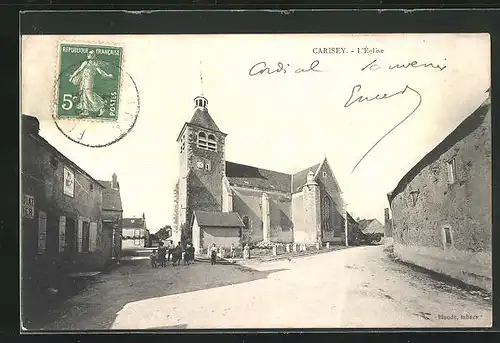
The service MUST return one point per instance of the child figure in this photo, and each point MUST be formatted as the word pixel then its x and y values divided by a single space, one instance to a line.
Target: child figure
pixel 154 258
pixel 213 254
pixel 233 253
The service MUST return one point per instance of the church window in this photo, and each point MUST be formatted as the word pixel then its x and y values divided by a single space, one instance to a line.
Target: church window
pixel 202 140
pixel 246 222
pixel 324 174
pixel 207 165
pixel 207 143
pixel 326 214
pixel 212 144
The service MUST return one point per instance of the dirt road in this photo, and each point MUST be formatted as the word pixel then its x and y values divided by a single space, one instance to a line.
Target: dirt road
pixel 352 288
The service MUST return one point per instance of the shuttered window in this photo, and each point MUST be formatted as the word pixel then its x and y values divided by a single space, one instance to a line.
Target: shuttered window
pixel 85 236
pixel 42 232
pixel 62 233
pixel 79 235
pixel 93 237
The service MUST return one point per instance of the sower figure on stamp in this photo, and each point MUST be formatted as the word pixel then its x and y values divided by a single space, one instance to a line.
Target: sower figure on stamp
pixel 83 78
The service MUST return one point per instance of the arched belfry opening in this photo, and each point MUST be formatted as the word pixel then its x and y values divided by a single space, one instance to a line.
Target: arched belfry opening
pixel 200 101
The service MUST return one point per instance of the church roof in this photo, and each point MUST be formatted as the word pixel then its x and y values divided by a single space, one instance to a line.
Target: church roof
pixel 218 219
pixel 202 118
pixel 253 177
pixel 299 179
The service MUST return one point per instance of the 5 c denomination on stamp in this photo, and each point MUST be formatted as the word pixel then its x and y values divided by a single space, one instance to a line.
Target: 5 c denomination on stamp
pixel 97 102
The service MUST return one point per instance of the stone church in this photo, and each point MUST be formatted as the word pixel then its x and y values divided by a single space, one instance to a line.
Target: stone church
pixel 218 201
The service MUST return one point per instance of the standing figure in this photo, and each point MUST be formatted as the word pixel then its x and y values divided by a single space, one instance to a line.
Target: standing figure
pixel 162 253
pixel 89 101
pixel 190 253
pixel 153 257
pixel 213 254
pixel 170 246
pixel 232 250
pixel 177 254
pixel 246 252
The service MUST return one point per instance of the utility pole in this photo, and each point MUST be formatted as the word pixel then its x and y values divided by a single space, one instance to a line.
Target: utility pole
pixel 345 229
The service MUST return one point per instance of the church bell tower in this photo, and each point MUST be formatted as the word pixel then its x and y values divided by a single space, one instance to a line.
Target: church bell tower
pixel 201 148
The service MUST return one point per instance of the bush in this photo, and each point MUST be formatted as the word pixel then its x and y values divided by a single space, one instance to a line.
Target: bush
pixel 265 245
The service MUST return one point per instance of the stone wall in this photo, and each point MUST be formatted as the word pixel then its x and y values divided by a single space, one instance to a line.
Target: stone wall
pixel 222 237
pixel 429 203
pixel 248 202
pixel 43 178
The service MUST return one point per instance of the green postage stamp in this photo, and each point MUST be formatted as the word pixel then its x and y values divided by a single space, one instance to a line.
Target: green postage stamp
pixel 89 81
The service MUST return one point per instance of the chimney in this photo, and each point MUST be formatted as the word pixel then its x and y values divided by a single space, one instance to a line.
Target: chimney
pixel 31 125
pixel 143 215
pixel 114 182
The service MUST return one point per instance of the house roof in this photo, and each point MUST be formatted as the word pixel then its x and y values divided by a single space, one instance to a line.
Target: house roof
pixel 218 219
pixel 253 177
pixel 299 179
pixel 464 129
pixel 132 222
pixel 42 141
pixel 371 226
pixel 111 198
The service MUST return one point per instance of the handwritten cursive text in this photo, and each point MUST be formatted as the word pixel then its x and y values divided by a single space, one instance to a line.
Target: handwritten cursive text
pixel 262 68
pixel 374 65
pixel 357 98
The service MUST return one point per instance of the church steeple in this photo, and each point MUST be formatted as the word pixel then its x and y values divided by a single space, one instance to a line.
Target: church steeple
pixel 200 102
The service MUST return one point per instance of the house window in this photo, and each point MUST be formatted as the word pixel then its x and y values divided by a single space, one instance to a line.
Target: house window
pixel 53 161
pixel 207 165
pixel 447 237
pixel 452 171
pixel 211 144
pixel 91 187
pixel 414 197
pixel 42 232
pixel 85 236
pixel 202 140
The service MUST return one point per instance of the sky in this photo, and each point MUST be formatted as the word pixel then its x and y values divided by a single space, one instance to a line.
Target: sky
pixel 281 121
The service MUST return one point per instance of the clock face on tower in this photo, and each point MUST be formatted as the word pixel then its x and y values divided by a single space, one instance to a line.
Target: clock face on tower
pixel 200 165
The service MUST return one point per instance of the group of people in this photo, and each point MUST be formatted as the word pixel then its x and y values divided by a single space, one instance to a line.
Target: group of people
pixel 176 254
pixel 213 253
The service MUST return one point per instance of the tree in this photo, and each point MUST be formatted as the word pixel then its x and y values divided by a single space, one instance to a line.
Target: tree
pixel 164 233
pixel 185 233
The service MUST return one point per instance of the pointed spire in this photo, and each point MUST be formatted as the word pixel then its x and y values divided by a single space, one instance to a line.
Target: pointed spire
pixel 201 78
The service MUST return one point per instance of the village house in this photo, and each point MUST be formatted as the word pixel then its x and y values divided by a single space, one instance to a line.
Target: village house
pixel 135 233
pixel 61 225
pixel 441 209
pixel 112 215
pixel 221 228
pixel 303 207
pixel 372 229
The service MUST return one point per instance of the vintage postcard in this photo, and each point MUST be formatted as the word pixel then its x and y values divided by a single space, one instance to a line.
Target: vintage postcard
pixel 335 181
